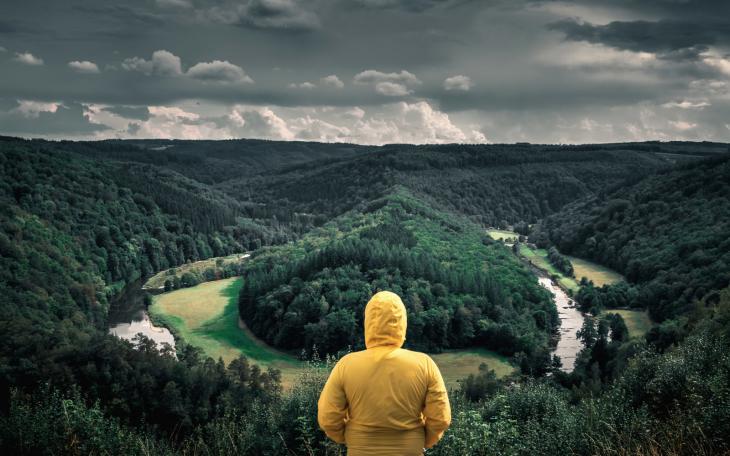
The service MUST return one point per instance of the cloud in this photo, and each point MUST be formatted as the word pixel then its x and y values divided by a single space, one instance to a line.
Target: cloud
pixel 686 104
pixel 374 77
pixel 265 14
pixel 174 3
pixel 84 67
pixel 355 113
pixel 391 89
pixel 682 125
pixel 332 81
pixel 218 71
pixel 302 85
pixel 672 39
pixel 163 63
pixel 33 118
pixel 259 122
pixel 32 109
pixel 459 82
pixel 721 64
pixel 129 112
pixel 388 84
pixel 28 59
pixel 407 5
pixel 2 49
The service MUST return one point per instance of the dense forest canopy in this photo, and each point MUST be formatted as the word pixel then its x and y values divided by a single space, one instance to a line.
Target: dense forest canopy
pixel 328 225
pixel 668 234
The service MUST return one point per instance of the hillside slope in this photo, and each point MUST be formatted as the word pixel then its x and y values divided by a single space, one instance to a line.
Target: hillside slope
pixel 668 234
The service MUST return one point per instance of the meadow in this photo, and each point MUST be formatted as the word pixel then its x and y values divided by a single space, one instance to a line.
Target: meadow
pixel 206 316
pixel 637 321
pixel 599 275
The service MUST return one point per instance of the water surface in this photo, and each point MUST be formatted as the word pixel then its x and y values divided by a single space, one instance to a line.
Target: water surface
pixel 571 320
pixel 128 316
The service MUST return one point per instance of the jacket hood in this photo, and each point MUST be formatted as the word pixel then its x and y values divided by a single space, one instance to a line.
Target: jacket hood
pixel 385 320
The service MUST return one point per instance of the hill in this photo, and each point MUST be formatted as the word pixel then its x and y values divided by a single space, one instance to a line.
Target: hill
pixel 668 234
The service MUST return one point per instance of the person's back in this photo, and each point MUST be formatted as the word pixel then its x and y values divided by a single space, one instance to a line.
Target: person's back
pixel 385 400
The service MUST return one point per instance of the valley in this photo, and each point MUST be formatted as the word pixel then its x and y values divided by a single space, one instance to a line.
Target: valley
pixel 260 256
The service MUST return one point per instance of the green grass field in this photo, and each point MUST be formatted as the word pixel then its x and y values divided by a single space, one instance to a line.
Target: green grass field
pixel 502 235
pixel 458 364
pixel 637 321
pixel 598 274
pixel 157 281
pixel 538 257
pixel 206 316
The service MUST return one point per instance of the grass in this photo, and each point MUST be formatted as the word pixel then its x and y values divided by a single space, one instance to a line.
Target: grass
pixel 600 275
pixel 637 321
pixel 502 235
pixel 157 281
pixel 538 257
pixel 458 364
pixel 596 273
pixel 206 316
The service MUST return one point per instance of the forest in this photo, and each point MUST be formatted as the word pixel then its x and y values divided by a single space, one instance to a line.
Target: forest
pixel 327 226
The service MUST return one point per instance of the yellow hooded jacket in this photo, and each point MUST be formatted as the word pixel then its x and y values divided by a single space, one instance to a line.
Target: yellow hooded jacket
pixel 385 400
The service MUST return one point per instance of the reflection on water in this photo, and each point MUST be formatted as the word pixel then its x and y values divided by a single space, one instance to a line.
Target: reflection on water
pixel 128 317
pixel 571 320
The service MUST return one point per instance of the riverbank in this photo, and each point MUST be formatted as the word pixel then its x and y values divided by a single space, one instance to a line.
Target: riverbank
pixel 156 283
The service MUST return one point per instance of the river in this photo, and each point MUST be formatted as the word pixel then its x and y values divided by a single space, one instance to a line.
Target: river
pixel 128 316
pixel 571 320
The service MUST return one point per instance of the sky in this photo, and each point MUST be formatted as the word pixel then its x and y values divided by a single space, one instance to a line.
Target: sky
pixel 367 71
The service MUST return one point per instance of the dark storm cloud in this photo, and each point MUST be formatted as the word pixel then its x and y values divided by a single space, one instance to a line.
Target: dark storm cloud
pixel 286 15
pixel 129 112
pixel 526 61
pixel 669 38
pixel 409 5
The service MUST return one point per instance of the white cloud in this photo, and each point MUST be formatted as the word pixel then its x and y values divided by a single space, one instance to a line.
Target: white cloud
pixel 84 66
pixel 391 89
pixel 2 49
pixel 721 64
pixel 218 71
pixel 686 104
pixel 374 77
pixel 32 109
pixel 332 81
pixel 458 82
pixel 355 113
pixel 391 123
pixel 302 85
pixel 163 63
pixel 681 125
pixel 28 59
pixel 259 122
pixel 312 129
pixel 591 56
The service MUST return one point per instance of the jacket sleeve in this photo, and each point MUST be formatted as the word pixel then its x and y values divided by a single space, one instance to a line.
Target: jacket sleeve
pixel 332 406
pixel 436 410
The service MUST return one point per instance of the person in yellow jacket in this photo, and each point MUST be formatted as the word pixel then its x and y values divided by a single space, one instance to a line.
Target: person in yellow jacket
pixel 385 400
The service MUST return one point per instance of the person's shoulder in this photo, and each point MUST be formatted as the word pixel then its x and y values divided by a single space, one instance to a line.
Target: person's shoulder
pixel 420 357
pixel 350 357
